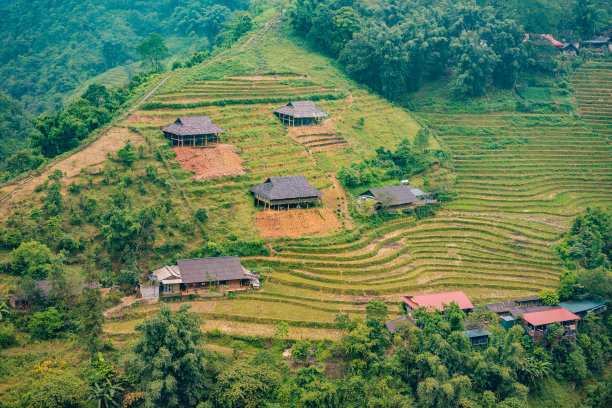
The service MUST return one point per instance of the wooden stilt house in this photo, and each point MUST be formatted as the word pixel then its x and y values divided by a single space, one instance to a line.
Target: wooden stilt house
pixel 286 192
pixel 193 131
pixel 300 113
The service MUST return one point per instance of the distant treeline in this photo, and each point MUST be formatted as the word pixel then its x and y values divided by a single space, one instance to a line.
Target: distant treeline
pixel 394 46
pixel 48 49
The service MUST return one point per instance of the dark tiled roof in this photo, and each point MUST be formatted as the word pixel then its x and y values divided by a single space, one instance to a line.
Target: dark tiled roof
pixel 76 284
pixel 514 308
pixel 189 126
pixel 529 299
pixel 392 196
pixel 302 109
pixel 395 324
pixel 211 269
pixel 286 188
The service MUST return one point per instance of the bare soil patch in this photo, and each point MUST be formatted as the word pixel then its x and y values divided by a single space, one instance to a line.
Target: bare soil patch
pixel 210 162
pixel 90 156
pixel 296 223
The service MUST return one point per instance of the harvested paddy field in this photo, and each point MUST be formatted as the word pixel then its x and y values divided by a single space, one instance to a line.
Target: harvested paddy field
pixel 210 162
pixel 296 223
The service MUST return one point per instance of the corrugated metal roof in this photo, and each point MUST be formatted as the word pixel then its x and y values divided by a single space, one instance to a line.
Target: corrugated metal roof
pixel 211 269
pixel 549 316
pixel 302 109
pixel 476 333
pixel 286 188
pixel 435 300
pixel 582 306
pixel 196 125
pixel 392 196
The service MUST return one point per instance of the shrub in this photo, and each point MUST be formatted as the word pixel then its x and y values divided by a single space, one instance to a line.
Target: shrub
pixel 201 214
pixel 127 154
pixel 47 324
pixel 58 390
pixel 8 337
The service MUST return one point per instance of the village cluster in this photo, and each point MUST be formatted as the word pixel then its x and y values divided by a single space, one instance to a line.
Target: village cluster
pixel 530 312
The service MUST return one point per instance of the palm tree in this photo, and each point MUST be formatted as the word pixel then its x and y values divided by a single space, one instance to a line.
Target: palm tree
pixel 107 394
pixel 3 309
pixel 536 370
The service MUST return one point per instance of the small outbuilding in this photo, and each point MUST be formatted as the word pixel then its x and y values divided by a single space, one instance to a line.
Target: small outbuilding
pixel 436 301
pixel 395 198
pixel 193 131
pixel 583 307
pixel 478 337
pixel 300 113
pixel 286 192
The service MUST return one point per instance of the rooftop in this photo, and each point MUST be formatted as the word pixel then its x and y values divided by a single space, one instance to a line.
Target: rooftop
pixel 598 40
pixel 582 306
pixel 196 125
pixel 211 269
pixel 286 188
pixel 436 300
pixel 302 109
pixel 476 333
pixel 549 316
pixel 395 195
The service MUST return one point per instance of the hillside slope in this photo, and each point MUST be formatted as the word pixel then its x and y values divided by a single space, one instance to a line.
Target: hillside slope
pixel 521 177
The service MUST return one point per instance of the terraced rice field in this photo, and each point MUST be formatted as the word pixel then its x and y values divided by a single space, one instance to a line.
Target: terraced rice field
pixel 520 179
pixel 592 85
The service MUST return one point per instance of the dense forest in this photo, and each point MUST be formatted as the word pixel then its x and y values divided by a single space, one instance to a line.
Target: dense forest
pixel 395 46
pixel 47 52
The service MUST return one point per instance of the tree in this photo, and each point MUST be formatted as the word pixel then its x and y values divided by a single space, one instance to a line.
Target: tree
pixel 455 317
pixel 475 61
pixel 154 50
pixel 31 259
pixel 168 361
pixel 301 350
pixel 244 385
pixel 58 390
pixel 90 318
pixel 421 140
pixel 549 297
pixel 127 154
pixel 377 309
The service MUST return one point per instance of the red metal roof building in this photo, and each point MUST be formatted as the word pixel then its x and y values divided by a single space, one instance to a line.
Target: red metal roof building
pixel 437 300
pixel 537 322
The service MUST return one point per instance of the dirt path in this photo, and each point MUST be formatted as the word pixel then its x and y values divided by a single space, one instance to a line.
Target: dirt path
pixel 125 302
